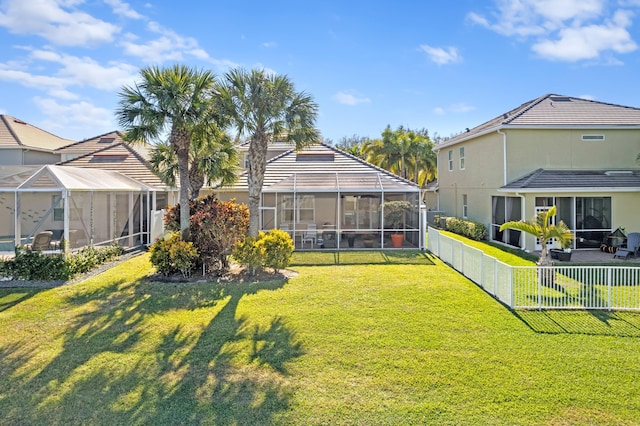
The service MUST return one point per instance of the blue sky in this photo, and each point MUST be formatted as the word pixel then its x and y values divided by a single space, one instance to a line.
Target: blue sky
pixel 438 65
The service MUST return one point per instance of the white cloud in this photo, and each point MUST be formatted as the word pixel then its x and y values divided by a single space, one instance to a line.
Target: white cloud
pixel 439 111
pixel 565 30
pixel 269 44
pixel 57 21
pixel 588 42
pixel 170 46
pixel 441 56
pixel 123 9
pixel 349 99
pixel 79 115
pixel 587 97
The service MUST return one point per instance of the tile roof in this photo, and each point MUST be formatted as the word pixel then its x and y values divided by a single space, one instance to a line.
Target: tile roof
pixel 119 157
pixel 575 180
pixel 101 141
pixel 17 133
pixel 556 111
pixel 323 167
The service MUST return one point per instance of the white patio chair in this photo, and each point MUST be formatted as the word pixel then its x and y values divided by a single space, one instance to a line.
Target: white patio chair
pixel 310 235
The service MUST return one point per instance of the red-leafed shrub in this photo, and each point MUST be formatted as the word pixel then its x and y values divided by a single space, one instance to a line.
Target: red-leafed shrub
pixel 215 227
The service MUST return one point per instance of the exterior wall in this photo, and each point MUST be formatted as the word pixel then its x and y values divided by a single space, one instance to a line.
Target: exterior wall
pixel 11 157
pixel 37 157
pixel 479 180
pixel 531 149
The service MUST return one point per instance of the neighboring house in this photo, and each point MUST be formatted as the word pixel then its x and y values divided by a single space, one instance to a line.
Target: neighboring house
pixel 326 197
pixel 106 190
pixel 110 152
pixel 577 154
pixel 22 144
pixel 273 150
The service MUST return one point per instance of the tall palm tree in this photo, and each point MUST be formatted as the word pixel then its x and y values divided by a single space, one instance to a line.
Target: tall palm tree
pixel 542 228
pixel 168 102
pixel 213 158
pixel 265 107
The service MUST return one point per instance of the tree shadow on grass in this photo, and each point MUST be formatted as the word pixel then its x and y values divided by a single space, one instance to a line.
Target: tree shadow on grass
pixel 115 366
pixel 10 297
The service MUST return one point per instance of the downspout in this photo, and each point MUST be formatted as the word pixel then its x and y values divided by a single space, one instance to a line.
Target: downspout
pixel 523 205
pixel 504 156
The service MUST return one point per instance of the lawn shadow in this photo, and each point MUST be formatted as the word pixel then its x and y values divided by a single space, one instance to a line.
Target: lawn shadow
pixel 363 257
pixel 188 374
pixel 10 297
pixel 587 322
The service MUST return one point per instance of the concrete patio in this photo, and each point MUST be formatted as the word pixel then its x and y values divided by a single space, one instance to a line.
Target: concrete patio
pixel 596 256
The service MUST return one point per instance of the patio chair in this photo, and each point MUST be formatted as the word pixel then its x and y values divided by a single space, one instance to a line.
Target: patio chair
pixel 631 249
pixel 41 241
pixel 310 235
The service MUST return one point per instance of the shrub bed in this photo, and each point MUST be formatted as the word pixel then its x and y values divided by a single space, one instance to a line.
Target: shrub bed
pixel 467 228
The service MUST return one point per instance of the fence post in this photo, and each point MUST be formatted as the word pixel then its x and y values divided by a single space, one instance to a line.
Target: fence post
pixel 609 281
pixel 511 290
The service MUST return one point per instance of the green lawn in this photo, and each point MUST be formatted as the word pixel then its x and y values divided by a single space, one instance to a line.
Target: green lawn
pixel 351 343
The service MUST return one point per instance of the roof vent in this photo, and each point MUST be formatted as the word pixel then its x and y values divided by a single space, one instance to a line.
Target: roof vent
pixel 560 99
pixel 619 173
pixel 106 140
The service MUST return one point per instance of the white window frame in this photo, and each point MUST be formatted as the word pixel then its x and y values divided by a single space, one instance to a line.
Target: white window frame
pixel 245 161
pixel 450 160
pixel 461 158
pixel 302 211
pixel 465 206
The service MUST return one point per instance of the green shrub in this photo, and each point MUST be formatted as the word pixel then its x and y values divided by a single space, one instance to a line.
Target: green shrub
pixel 171 255
pixel 250 253
pixel 33 265
pixel 278 248
pixel 467 228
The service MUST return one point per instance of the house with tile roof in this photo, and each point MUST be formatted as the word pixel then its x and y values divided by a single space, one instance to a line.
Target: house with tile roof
pixel 22 144
pixel 325 197
pixel 577 154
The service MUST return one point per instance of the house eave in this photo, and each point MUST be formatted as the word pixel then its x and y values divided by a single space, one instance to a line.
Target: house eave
pixel 566 190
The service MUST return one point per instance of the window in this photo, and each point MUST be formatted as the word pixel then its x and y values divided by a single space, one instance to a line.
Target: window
pixel 465 208
pixel 462 158
pixel 304 210
pixel 592 137
pixel 450 160
pixel 246 160
pixel 505 209
pixel 58 207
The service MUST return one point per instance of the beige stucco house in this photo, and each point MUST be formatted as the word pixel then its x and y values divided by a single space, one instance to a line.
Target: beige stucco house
pixel 325 197
pixel 577 154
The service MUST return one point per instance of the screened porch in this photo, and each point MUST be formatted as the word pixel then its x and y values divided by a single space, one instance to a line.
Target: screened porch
pixel 46 206
pixel 342 211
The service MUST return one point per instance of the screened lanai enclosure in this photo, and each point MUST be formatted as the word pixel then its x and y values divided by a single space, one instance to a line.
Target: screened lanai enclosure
pixel 343 210
pixel 47 206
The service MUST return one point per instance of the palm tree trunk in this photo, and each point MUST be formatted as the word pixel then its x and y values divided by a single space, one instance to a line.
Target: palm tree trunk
pixel 255 178
pixel 181 146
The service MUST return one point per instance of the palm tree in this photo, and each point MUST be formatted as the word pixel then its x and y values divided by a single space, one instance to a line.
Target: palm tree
pixel 168 102
pixel 542 228
pixel 213 158
pixel 265 107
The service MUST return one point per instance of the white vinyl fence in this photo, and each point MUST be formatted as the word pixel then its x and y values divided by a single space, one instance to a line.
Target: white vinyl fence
pixel 533 287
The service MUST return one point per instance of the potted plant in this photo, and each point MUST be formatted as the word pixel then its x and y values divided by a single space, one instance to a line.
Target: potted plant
pixel 394 212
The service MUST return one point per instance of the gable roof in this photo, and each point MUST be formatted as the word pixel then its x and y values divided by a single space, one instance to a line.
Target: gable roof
pixel 576 181
pixel 323 167
pixel 79 179
pixel 16 133
pixel 556 111
pixel 100 142
pixel 119 157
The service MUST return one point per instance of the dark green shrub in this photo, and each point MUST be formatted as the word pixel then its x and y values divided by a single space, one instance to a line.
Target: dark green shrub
pixel 467 228
pixel 215 228
pixel 278 248
pixel 249 253
pixel 171 255
pixel 33 265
